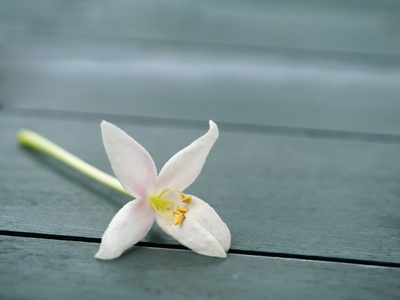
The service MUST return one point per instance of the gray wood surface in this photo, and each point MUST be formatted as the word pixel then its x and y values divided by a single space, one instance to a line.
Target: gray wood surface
pixel 67 269
pixel 267 89
pixel 305 171
pixel 326 66
pixel 355 26
pixel 277 194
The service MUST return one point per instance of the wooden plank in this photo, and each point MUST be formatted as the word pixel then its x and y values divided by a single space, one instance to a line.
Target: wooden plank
pixel 261 63
pixel 48 269
pixel 277 194
pixel 322 93
pixel 343 26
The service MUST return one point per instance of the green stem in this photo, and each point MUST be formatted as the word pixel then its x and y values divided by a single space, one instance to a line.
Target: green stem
pixel 31 139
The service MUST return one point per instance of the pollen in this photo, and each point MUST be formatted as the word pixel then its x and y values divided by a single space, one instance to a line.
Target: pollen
pixel 179 218
pixel 181 209
pixel 186 199
pixel 170 209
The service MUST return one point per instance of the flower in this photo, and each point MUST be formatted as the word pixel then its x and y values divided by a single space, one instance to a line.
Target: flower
pixel 188 219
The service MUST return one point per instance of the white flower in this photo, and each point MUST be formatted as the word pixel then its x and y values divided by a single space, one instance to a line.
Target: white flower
pixel 188 219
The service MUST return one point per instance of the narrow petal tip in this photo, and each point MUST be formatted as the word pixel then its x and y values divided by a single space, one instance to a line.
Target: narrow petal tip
pixel 106 256
pixel 130 161
pixel 129 225
pixel 214 128
pixel 212 123
pixel 183 168
pixel 104 124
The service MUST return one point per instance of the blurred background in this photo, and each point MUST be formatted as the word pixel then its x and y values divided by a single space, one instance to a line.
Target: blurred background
pixel 326 65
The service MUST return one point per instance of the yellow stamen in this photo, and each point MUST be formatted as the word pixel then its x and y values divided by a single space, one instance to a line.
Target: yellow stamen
pixel 181 209
pixel 179 218
pixel 186 199
pixel 167 208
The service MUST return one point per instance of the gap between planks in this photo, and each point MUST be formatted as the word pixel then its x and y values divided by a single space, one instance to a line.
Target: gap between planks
pixel 196 124
pixel 231 251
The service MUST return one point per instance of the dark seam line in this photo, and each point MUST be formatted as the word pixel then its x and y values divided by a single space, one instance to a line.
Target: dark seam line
pixel 196 124
pixel 231 251
pixel 50 236
pixel 317 258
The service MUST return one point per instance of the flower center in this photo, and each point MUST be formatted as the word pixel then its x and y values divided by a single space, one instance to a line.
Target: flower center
pixel 167 208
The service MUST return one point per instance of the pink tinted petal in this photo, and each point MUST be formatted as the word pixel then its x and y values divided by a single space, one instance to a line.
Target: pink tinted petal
pixel 131 223
pixel 202 230
pixel 184 167
pixel 131 163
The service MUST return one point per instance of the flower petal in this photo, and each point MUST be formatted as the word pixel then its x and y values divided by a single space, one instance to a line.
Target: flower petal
pixel 131 223
pixel 202 230
pixel 131 163
pixel 183 168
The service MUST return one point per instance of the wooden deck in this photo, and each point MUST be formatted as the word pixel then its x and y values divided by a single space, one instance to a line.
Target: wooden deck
pixel 305 173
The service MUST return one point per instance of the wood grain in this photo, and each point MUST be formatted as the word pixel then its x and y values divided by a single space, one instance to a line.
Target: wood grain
pixel 352 26
pixel 325 66
pixel 305 171
pixel 277 194
pixel 44 269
